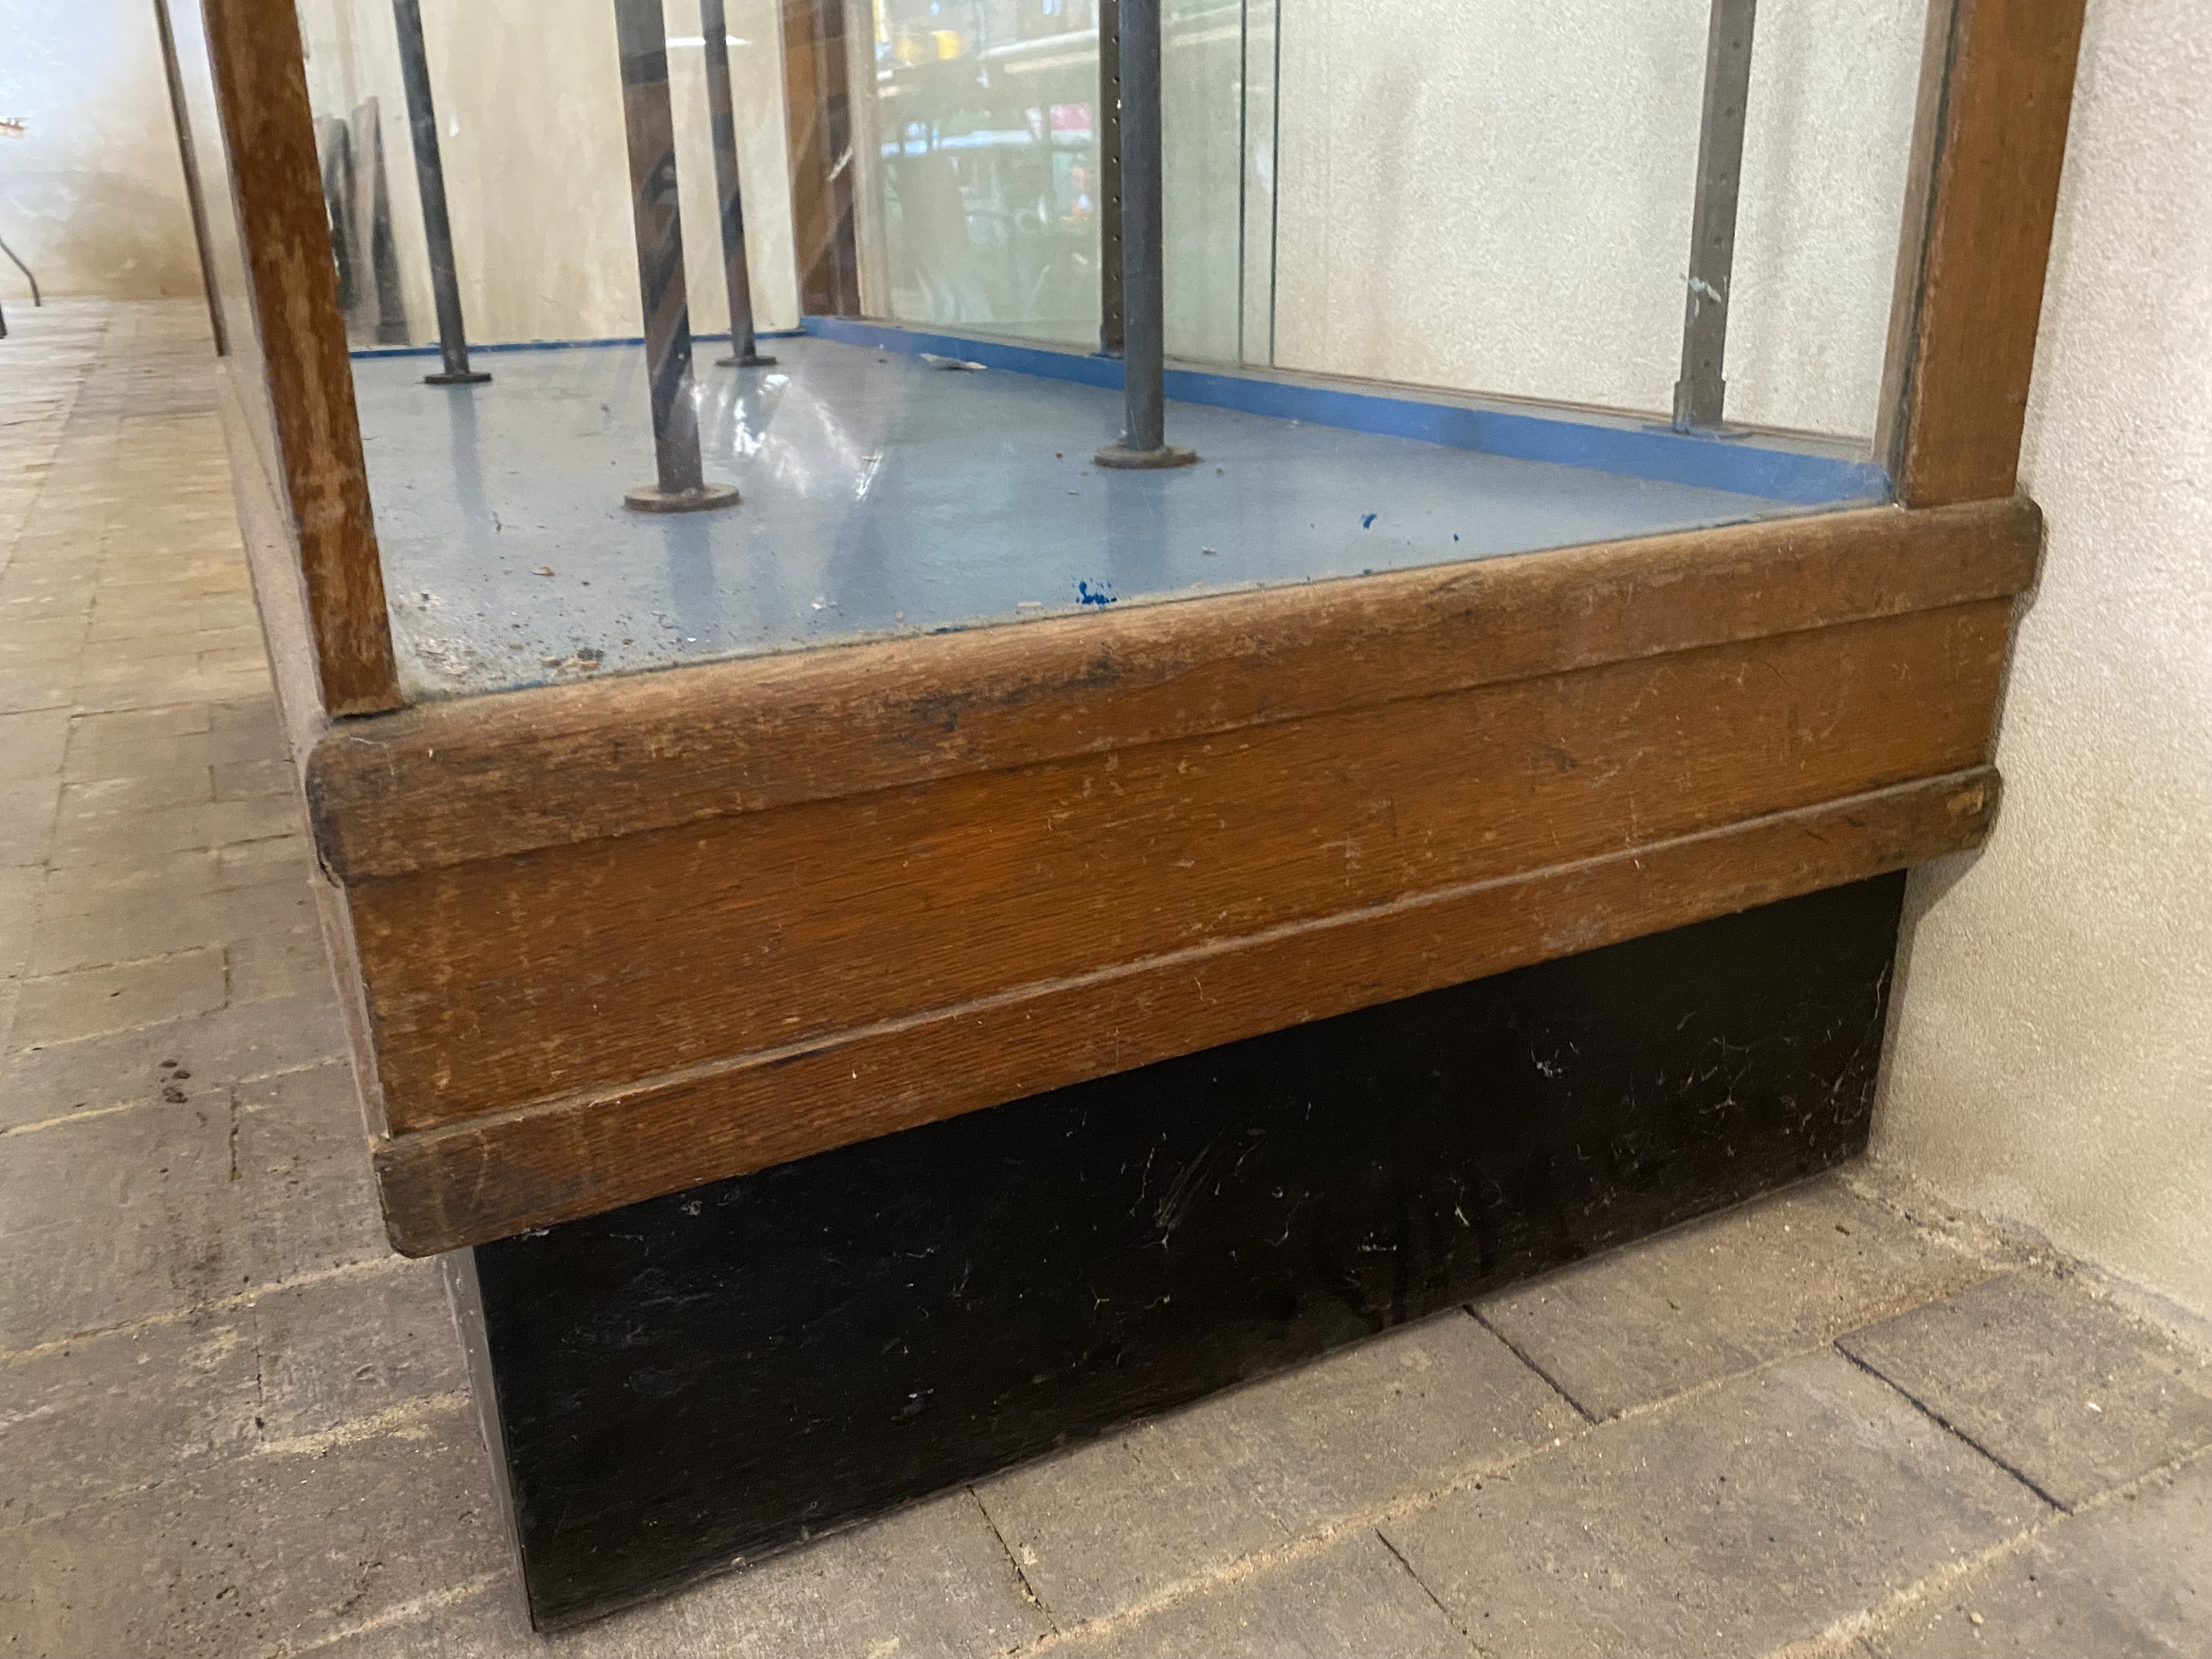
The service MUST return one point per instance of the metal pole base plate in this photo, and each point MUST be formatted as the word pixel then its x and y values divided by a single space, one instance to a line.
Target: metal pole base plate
pixel 467 377
pixel 1120 455
pixel 756 361
pixel 651 498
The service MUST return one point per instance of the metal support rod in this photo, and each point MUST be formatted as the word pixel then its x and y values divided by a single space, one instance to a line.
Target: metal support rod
pixel 14 259
pixel 1699 394
pixel 188 152
pixel 1144 442
pixel 722 108
pixel 430 184
pixel 649 124
pixel 1106 133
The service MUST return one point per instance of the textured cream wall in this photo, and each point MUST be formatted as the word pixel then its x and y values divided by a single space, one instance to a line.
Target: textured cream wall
pixel 2051 1052
pixel 529 101
pixel 1495 196
pixel 93 198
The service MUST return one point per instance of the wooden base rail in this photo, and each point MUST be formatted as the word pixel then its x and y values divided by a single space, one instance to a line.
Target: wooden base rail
pixel 484 1178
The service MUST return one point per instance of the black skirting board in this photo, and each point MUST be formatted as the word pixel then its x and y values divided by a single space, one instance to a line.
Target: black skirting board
pixel 709 1378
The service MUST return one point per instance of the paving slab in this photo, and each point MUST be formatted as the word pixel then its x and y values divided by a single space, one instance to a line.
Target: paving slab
pixel 260 1555
pixel 2048 1378
pixel 131 799
pixel 107 839
pixel 2129 1580
pixel 337 1349
pixel 98 739
pixel 113 1218
pixel 31 744
pixel 123 1410
pixel 46 684
pixel 20 885
pixel 270 967
pixel 65 1008
pixel 1106 1526
pixel 305 1201
pixel 26 820
pixel 1733 1522
pixel 121 925
pixel 229 1045
pixel 117 756
pixel 283 860
pixel 1353 1601
pixel 929 1583
pixel 1103 1529
pixel 1780 1276
pixel 248 780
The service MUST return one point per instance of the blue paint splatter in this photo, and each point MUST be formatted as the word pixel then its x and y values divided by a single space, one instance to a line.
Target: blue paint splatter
pixel 1102 594
pixel 1368 523
pixel 1455 535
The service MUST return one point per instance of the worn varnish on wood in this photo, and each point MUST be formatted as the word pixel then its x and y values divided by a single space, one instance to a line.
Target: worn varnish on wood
pixel 611 940
pixel 1988 143
pixel 621 939
pixel 261 90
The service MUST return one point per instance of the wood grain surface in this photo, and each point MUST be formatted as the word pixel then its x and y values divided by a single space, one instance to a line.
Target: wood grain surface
pixel 558 1160
pixel 1989 143
pixel 599 963
pixel 453 783
pixel 261 90
pixel 819 132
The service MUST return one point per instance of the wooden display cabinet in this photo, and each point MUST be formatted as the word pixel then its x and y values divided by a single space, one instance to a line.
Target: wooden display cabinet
pixel 751 974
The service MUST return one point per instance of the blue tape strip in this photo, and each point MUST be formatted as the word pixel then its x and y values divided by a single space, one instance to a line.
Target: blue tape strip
pixel 475 349
pixel 1625 448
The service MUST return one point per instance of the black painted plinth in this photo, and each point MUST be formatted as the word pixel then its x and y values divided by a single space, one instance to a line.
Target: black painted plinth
pixel 721 1374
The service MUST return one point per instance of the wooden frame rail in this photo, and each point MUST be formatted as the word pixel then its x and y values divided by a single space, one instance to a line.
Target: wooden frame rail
pixel 616 939
pixel 261 93
pixel 1989 144
pixel 660 931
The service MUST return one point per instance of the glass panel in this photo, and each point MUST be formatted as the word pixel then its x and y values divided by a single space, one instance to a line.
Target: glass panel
pixel 980 209
pixel 225 253
pixel 529 136
pixel 1495 197
pixel 1202 129
pixel 1424 282
pixel 1477 196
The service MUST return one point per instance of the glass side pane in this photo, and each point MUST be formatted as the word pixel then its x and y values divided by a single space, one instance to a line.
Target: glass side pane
pixel 980 208
pixel 225 252
pixel 528 94
pixel 1425 292
pixel 1496 196
pixel 979 204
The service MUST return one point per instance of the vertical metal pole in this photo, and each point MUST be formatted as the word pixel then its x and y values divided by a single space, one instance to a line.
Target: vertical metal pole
pixel 1106 133
pixel 713 23
pixel 430 184
pixel 1144 443
pixel 188 152
pixel 649 124
pixel 1699 394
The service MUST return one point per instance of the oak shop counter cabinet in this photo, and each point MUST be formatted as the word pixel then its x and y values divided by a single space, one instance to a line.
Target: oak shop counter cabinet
pixel 1198 745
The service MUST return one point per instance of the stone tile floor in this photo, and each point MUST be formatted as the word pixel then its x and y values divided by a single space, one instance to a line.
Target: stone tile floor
pixel 1844 1421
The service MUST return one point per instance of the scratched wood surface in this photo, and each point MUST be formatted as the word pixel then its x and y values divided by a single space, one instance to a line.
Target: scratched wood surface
pixel 265 528
pixel 714 946
pixel 1989 143
pixel 598 962
pixel 456 783
pixel 558 1160
pixel 261 91
pixel 819 135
